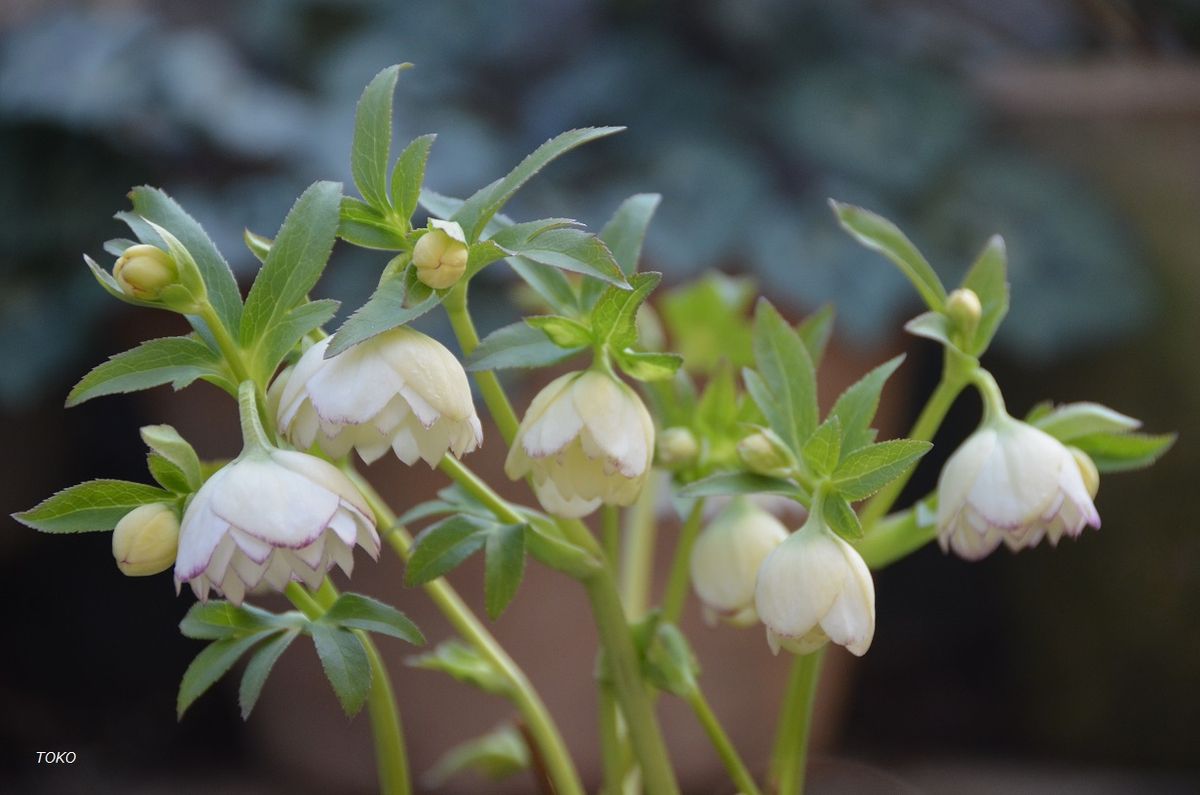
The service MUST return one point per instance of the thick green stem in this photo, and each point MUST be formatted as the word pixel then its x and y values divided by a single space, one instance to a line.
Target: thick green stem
pixel 789 757
pixel 729 756
pixel 610 532
pixel 894 537
pixel 675 594
pixel 611 745
pixel 637 563
pixel 489 385
pixel 540 725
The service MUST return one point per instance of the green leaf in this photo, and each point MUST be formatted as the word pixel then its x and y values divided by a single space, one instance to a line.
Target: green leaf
pixel 866 471
pixel 879 234
pixel 562 331
pixel 708 322
pixel 442 546
pixel 504 567
pixel 92 506
pixel 465 664
pixel 1073 420
pixel 371 150
pixel 932 326
pixel 355 611
pixel 614 318
pixel 570 250
pixel 668 661
pixel 856 406
pixel 823 449
pixel 786 369
pixel 477 210
pixel 549 283
pixel 295 263
pixel 157 207
pixel 841 517
pixel 259 668
pixel 643 366
pixel 209 666
pixel 217 619
pixel 494 756
pixel 282 337
pixel 546 543
pixel 362 225
pixel 384 311
pixel 345 663
pixel 988 278
pixel 517 345
pixel 815 332
pixel 717 406
pixel 1124 452
pixel 624 234
pixel 739 483
pixel 408 176
pixel 166 441
pixel 167 475
pixel 169 360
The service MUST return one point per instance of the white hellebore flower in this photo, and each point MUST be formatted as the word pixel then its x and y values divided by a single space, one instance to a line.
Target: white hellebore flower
pixel 815 588
pixel 400 389
pixel 1010 482
pixel 587 439
pixel 726 558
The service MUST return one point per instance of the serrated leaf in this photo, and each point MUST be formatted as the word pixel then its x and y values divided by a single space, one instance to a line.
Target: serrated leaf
pixel 988 278
pixel 156 206
pixel 546 543
pixel 167 474
pixel 345 663
pixel 856 406
pixel 708 322
pixel 549 283
pixel 571 250
pixel 815 331
pixel 89 507
pixel 879 234
pixel 409 174
pixel 210 665
pixel 1126 451
pixel 383 311
pixel 295 262
pixel 479 208
pixel 370 152
pixel 217 619
pixel 624 235
pixel 866 471
pixel 362 225
pixel 788 376
pixel 614 318
pixel 168 360
pixel 562 331
pixel 259 668
pixel 932 326
pixel 739 483
pixel 841 517
pixel 823 449
pixel 465 664
pixel 166 441
pixel 355 611
pixel 494 756
pixel 517 345
pixel 1074 420
pixel 443 546
pixel 648 366
pixel 718 403
pixel 283 337
pixel 504 567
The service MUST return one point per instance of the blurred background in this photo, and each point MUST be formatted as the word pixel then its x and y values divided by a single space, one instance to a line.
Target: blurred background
pixel 1072 128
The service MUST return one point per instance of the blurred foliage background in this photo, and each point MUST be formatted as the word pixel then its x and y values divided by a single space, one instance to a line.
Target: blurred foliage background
pixel 1072 128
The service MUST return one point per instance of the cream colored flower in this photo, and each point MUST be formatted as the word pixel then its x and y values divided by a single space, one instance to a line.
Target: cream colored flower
pixel 270 517
pixel 586 439
pixel 441 255
pixel 726 558
pixel 400 389
pixel 813 589
pixel 145 540
pixel 1011 483
pixel 143 271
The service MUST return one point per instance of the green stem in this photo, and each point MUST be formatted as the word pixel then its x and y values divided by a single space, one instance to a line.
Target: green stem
pixel 489 385
pixel 611 745
pixel 789 757
pixel 540 725
pixel 637 565
pixel 894 537
pixel 610 532
pixel 675 594
pixel 729 756
pixel 225 341
pixel 956 373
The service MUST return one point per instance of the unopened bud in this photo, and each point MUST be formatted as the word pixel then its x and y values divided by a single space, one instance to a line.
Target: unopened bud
pixel 1087 469
pixel 677 447
pixel 440 256
pixel 764 453
pixel 146 539
pixel 143 271
pixel 964 310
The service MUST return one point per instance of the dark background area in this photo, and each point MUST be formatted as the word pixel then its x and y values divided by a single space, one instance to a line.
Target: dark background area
pixel 1072 128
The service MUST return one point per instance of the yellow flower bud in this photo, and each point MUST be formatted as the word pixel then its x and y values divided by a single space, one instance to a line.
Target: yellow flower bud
pixel 677 447
pixel 146 539
pixel 440 256
pixel 1087 468
pixel 764 453
pixel 964 310
pixel 143 271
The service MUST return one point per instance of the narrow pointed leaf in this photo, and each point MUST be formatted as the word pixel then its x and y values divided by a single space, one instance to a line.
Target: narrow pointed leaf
pixel 815 332
pixel 443 546
pixel 504 567
pixel 259 668
pixel 879 234
pixel 345 663
pixel 371 149
pixel 866 471
pixel 168 360
pixel 1126 451
pixel 856 406
pixel 408 176
pixel 355 611
pixel 385 310
pixel 210 665
pixel 841 517
pixel 517 345
pixel 988 278
pixel 787 373
pixel 92 506
pixel 823 449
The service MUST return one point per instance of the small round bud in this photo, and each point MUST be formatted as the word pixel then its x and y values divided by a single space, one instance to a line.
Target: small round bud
pixel 1087 469
pixel 440 256
pixel 764 453
pixel 146 539
pixel 677 447
pixel 143 271
pixel 964 310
